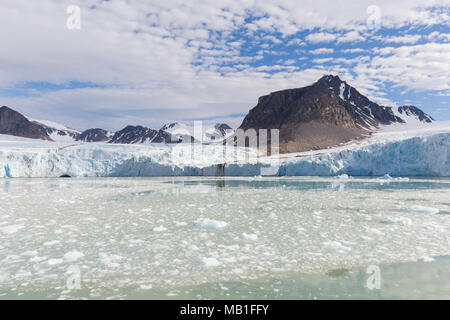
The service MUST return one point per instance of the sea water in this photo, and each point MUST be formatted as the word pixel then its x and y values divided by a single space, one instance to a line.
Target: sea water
pixel 226 238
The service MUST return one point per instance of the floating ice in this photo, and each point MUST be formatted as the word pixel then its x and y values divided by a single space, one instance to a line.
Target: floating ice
pixel 52 261
pixel 423 209
pixel 51 243
pixel 427 259
pixel 159 229
pixel 145 287
pixel 316 229
pixel 210 262
pixel 73 255
pixel 335 245
pixel 211 224
pixel 11 229
pixel 249 236
pixel 111 260
pixel 398 220
pixel 373 231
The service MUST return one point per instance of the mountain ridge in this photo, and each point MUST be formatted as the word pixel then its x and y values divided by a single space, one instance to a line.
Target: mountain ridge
pixel 326 113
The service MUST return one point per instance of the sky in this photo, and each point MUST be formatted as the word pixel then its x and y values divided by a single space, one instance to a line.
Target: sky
pixel 120 62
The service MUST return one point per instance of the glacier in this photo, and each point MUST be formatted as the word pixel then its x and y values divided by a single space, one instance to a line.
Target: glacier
pixel 400 152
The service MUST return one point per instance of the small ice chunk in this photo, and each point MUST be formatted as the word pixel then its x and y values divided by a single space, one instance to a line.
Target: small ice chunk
pixel 386 177
pixel 51 243
pixel 343 176
pixel 336 245
pixel 210 262
pixel 73 255
pixel 426 259
pixel 422 209
pixel 53 262
pixel 159 229
pixel 12 228
pixel 145 287
pixel 249 236
pixel 373 231
pixel 211 224
pixel 398 220
pixel 110 260
pixel 193 247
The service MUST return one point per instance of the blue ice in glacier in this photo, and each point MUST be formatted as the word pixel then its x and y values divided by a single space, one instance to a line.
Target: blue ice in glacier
pixel 411 156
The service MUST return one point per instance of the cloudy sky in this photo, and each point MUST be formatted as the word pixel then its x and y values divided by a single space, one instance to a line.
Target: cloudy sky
pixel 152 62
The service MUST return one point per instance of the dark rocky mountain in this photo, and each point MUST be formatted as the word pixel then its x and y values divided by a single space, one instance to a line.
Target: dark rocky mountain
pixel 140 134
pixel 324 114
pixel 223 128
pixel 14 123
pixel 94 135
pixel 134 134
pixel 165 137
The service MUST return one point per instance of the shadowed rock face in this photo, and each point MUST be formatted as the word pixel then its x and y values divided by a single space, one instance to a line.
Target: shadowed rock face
pixel 49 131
pixel 94 135
pixel 134 134
pixel 319 116
pixel 14 123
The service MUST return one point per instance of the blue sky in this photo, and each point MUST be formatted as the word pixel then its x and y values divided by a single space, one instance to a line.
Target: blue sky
pixel 152 62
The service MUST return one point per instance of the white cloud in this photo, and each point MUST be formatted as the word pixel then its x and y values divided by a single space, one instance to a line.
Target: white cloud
pixel 161 60
pixel 351 36
pixel 437 36
pixel 321 37
pixel 355 50
pixel 322 60
pixel 406 39
pixel 322 51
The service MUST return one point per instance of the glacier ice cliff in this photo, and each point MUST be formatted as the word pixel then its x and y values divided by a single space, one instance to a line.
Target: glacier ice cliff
pixel 412 156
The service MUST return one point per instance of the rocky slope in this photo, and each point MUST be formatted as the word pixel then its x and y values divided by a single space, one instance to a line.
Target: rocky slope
pixel 14 123
pixel 56 131
pixel 324 114
pixel 94 135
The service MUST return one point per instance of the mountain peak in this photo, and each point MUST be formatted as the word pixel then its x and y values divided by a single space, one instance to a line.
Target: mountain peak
pixel 330 78
pixel 14 123
pixel 324 114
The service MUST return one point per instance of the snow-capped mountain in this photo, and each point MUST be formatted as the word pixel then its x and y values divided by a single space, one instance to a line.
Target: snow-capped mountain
pixel 56 131
pixel 324 114
pixel 134 134
pixel 219 132
pixel 186 131
pixel 411 115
